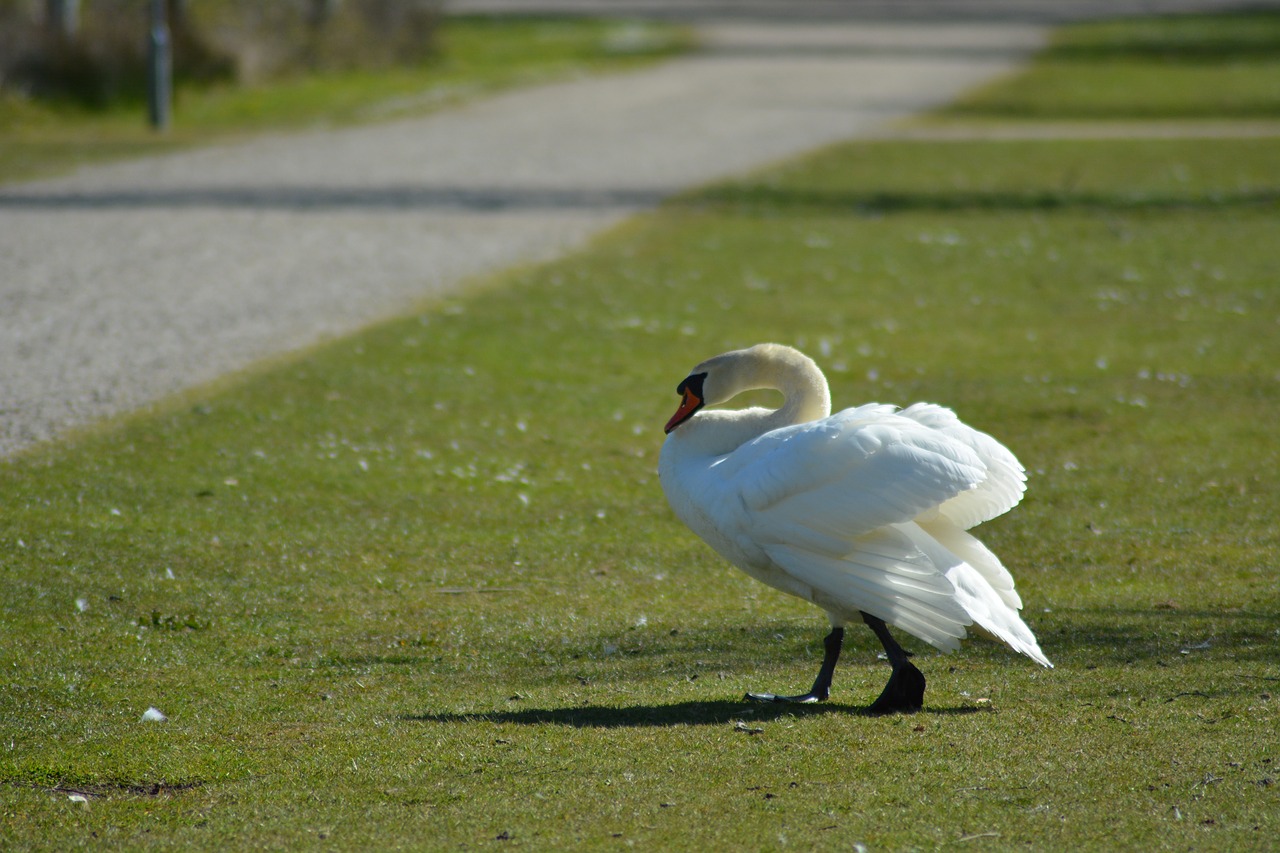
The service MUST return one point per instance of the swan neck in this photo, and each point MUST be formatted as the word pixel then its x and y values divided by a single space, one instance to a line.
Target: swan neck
pixel 806 396
pixel 809 402
pixel 773 367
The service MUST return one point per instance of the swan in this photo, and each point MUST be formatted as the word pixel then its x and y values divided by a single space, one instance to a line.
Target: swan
pixel 864 513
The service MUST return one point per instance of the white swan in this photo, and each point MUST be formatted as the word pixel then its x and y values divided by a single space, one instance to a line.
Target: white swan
pixel 863 512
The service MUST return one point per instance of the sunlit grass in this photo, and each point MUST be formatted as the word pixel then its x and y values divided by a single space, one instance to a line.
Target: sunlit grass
pixel 420 588
pixel 421 584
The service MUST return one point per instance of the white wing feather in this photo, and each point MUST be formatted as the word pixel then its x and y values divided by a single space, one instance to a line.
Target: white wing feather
pixel 886 575
pixel 850 474
pixel 987 605
pixel 1004 482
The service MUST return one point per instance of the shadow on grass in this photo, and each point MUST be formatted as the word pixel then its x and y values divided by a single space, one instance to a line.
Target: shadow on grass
pixel 1214 39
pixel 1069 635
pixel 312 199
pixel 1117 635
pixel 740 199
pixel 758 199
pixel 678 714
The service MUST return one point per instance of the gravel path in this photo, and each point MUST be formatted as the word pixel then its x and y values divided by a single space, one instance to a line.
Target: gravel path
pixel 124 283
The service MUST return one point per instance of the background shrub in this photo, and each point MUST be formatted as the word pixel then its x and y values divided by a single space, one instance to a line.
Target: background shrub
pixel 102 62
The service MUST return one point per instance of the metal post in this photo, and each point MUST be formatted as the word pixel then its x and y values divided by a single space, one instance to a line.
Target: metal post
pixel 321 11
pixel 159 68
pixel 63 17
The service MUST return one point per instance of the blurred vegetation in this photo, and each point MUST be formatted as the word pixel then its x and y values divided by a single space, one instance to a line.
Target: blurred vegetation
pixel 470 56
pixel 101 59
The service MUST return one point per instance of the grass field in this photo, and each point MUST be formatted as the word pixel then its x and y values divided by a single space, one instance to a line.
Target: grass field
pixel 1224 66
pixel 420 589
pixel 477 55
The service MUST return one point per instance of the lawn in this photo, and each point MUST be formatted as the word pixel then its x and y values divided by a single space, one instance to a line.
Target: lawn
pixel 1224 66
pixel 419 588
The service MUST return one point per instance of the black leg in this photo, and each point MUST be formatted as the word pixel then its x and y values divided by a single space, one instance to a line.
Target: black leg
pixel 905 690
pixel 822 684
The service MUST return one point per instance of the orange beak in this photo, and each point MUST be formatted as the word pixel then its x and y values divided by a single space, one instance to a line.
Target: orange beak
pixel 690 404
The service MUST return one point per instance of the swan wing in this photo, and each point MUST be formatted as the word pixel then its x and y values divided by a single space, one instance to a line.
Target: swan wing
pixel 821 500
pixel 970 567
pixel 885 574
pixel 970 549
pixel 1004 482
pixel 824 483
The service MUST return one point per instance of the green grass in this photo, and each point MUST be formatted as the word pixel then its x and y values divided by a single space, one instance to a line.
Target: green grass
pixel 1180 67
pixel 477 55
pixel 419 588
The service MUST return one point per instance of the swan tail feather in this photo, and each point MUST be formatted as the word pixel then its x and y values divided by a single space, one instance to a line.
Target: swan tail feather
pixel 983 587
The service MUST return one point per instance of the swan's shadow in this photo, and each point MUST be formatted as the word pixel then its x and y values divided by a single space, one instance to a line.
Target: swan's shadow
pixel 678 714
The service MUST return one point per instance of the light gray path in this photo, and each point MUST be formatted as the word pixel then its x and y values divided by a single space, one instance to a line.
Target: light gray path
pixel 121 284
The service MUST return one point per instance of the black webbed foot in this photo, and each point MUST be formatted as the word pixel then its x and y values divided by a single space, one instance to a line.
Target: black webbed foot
pixel 804 699
pixel 821 689
pixel 904 694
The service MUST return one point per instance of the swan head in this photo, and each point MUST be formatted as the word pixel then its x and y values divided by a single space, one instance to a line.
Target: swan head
pixel 712 382
pixel 774 366
pixel 692 398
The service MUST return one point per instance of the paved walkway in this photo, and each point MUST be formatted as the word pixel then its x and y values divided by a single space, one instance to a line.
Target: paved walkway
pixel 121 284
